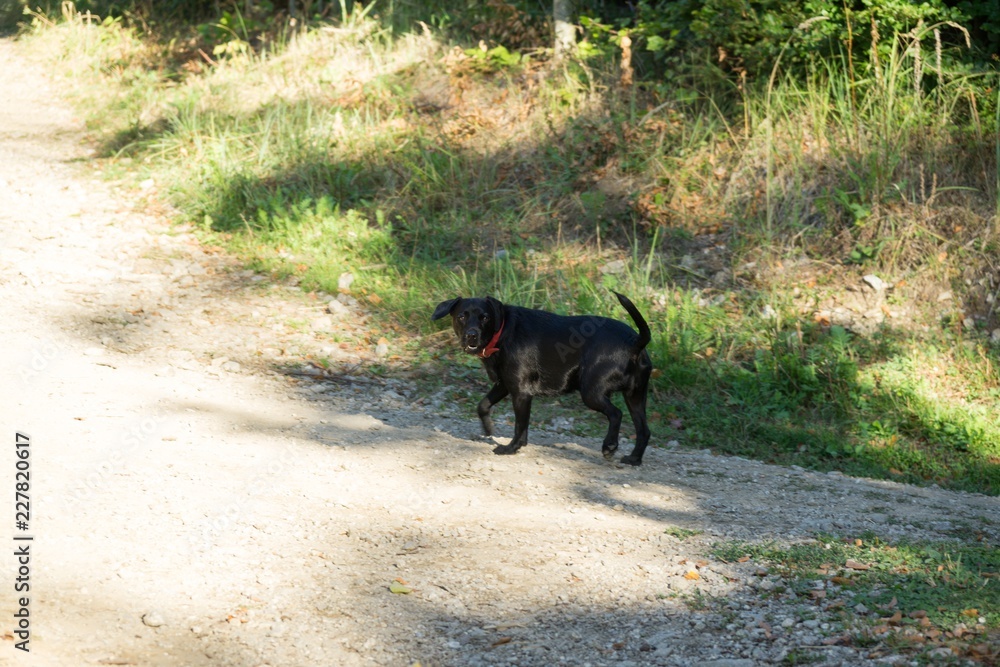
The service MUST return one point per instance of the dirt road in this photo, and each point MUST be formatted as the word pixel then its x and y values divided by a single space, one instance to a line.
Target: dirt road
pixel 190 504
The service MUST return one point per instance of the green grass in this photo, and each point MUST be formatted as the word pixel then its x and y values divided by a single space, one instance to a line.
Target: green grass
pixel 948 583
pixel 430 172
pixel 681 533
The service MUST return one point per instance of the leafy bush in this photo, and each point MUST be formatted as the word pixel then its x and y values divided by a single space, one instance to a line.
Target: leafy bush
pixel 746 37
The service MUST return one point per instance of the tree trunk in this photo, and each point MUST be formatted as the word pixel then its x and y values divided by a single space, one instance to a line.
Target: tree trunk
pixel 562 15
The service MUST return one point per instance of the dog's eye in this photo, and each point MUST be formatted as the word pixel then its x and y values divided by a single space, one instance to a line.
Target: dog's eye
pixel 484 318
pixel 462 317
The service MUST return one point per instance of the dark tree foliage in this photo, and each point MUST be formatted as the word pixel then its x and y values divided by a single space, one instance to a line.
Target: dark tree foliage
pixel 748 35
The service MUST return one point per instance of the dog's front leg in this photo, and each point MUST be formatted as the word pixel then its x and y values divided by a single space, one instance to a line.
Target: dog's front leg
pixel 496 394
pixel 522 413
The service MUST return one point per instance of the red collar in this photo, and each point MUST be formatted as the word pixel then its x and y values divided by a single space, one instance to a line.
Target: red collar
pixel 491 347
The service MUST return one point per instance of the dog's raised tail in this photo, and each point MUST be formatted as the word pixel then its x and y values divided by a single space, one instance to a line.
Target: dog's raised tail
pixel 640 323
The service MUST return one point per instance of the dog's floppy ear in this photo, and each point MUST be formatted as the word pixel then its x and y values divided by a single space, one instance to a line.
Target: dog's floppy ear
pixel 496 308
pixel 445 308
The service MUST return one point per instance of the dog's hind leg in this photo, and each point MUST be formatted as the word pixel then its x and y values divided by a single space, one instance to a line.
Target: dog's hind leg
pixel 636 402
pixel 522 414
pixel 496 394
pixel 603 404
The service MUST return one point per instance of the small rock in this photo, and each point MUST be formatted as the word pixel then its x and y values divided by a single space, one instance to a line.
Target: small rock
pixel 345 281
pixel 720 277
pixel 615 267
pixel 501 254
pixel 944 296
pixel 382 349
pixel 231 367
pixel 941 653
pixel 874 282
pixel 995 336
pixel 347 300
pixel 767 312
pixel 324 323
pixel 146 184
pixel 153 619
pixel 335 307
pixel 860 609
pixel 725 662
pixel 969 323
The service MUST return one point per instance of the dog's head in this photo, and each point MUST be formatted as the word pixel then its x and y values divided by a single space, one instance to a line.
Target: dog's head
pixel 475 321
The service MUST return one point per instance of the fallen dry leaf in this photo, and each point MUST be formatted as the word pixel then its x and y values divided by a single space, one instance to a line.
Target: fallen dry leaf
pixel 743 559
pixel 399 588
pixel 895 619
pixel 503 640
pixel 855 565
pixel 842 581
pixel 692 575
pixel 817 595
pixel 981 650
pixel 970 612
pixel 917 613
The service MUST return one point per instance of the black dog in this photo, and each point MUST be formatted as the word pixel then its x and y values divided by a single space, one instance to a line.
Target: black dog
pixel 530 353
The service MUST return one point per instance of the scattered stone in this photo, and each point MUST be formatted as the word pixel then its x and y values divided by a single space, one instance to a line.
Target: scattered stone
pixel 324 323
pixel 614 268
pixel 941 653
pixel 345 281
pixel 153 619
pixel 995 336
pixel 767 312
pixel 347 300
pixel 944 296
pixel 875 282
pixel 336 307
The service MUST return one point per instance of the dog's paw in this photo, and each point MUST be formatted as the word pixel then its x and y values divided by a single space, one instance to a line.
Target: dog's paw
pixel 632 460
pixel 608 452
pixel 506 449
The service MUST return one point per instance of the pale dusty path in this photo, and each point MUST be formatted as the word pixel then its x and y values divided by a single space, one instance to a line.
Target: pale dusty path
pixel 254 521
